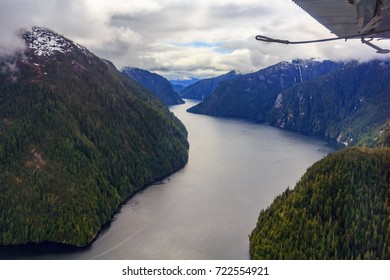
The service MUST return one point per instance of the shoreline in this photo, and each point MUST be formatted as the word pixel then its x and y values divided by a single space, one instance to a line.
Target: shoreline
pixel 17 251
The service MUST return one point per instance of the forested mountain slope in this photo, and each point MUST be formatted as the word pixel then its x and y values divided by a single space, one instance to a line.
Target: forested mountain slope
pixel 338 210
pixel 351 105
pixel 253 95
pixel 76 139
pixel 348 102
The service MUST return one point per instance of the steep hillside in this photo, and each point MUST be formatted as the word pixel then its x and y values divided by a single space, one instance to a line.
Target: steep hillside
pixel 204 88
pixel 252 96
pixel 347 102
pixel 338 210
pixel 76 139
pixel 178 88
pixel 157 84
pixel 351 104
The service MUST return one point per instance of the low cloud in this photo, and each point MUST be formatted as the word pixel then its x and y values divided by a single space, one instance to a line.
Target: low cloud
pixel 180 38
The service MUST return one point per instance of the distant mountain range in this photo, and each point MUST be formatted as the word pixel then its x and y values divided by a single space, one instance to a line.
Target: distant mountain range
pixel 184 82
pixel 77 138
pixel 349 102
pixel 157 84
pixel 204 88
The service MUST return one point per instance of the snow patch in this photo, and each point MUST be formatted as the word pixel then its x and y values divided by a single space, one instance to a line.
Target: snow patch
pixel 46 43
pixel 279 100
pixel 300 74
pixel 317 59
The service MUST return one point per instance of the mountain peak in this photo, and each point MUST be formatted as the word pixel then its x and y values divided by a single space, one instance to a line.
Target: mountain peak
pixel 46 43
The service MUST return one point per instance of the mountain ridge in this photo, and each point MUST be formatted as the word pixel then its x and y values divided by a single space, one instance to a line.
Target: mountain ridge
pixel 204 88
pixel 296 99
pixel 251 95
pixel 350 105
pixel 157 84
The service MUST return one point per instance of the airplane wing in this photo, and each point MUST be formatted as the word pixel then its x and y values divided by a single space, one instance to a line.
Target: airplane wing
pixel 369 18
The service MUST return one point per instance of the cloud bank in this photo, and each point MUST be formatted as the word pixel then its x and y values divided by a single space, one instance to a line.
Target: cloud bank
pixel 178 38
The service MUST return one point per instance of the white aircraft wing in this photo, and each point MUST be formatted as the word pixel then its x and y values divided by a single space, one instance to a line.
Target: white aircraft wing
pixel 369 18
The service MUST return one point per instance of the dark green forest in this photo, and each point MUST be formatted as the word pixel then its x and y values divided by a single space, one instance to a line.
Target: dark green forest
pixel 338 210
pixel 76 139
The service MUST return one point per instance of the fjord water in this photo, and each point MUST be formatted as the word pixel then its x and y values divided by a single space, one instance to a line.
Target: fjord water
pixel 207 209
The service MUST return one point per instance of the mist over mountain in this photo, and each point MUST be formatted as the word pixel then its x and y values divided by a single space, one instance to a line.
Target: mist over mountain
pixel 204 88
pixel 77 138
pixel 157 84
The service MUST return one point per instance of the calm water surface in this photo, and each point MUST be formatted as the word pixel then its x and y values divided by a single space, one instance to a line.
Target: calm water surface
pixel 207 209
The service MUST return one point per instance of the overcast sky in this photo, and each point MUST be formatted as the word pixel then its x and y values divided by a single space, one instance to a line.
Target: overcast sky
pixel 180 38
